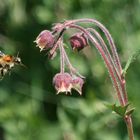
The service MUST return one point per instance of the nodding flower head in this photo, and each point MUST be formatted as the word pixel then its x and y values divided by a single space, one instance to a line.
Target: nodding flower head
pixel 45 40
pixel 77 84
pixel 78 41
pixel 62 82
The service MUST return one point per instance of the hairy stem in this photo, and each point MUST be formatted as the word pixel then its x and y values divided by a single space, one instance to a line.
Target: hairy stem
pixel 129 124
pixel 62 63
pixel 119 75
pixel 104 46
pixel 72 69
pixel 109 67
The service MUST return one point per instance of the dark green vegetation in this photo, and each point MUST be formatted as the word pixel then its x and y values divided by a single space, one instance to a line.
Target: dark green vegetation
pixel 29 107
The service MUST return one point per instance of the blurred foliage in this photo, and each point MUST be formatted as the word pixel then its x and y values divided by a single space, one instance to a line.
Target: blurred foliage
pixel 29 107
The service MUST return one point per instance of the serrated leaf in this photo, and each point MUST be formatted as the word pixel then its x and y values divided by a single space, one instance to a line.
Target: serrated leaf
pixel 131 59
pixel 130 111
pixel 120 110
pixel 109 106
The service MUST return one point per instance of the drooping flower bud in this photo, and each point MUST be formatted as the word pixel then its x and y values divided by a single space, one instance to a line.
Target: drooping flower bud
pixel 78 41
pixel 62 82
pixel 77 84
pixel 44 40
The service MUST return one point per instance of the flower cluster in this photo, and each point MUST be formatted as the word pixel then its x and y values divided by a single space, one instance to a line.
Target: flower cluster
pixel 64 82
pixel 47 40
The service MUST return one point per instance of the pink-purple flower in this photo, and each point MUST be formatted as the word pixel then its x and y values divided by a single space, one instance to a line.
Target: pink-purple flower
pixel 78 41
pixel 77 84
pixel 62 82
pixel 45 40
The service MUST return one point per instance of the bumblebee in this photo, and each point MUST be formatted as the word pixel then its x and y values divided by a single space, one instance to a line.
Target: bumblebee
pixel 7 62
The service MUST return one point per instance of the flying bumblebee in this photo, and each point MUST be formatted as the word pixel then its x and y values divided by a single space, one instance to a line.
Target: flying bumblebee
pixel 7 62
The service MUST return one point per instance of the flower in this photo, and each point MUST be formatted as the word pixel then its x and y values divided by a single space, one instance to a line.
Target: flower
pixel 62 82
pixel 78 41
pixel 77 84
pixel 44 40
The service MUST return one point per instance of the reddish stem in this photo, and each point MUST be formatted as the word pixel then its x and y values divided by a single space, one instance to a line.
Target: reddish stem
pixel 104 46
pixel 62 63
pixel 129 124
pixel 120 78
pixel 109 67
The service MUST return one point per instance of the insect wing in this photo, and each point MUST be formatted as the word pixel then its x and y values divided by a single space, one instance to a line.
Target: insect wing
pixel 1 54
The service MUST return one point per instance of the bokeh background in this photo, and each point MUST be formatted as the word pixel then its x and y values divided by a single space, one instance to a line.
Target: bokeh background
pixel 29 106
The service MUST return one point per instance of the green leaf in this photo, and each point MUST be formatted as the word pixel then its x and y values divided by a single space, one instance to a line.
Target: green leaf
pixel 65 45
pixel 120 110
pixel 130 111
pixel 131 59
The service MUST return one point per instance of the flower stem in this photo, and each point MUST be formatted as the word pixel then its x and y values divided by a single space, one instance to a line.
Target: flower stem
pixel 104 46
pixel 71 68
pixel 107 62
pixel 120 87
pixel 62 63
pixel 129 124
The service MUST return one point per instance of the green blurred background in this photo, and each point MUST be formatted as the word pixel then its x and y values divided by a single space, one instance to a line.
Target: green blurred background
pixel 29 106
